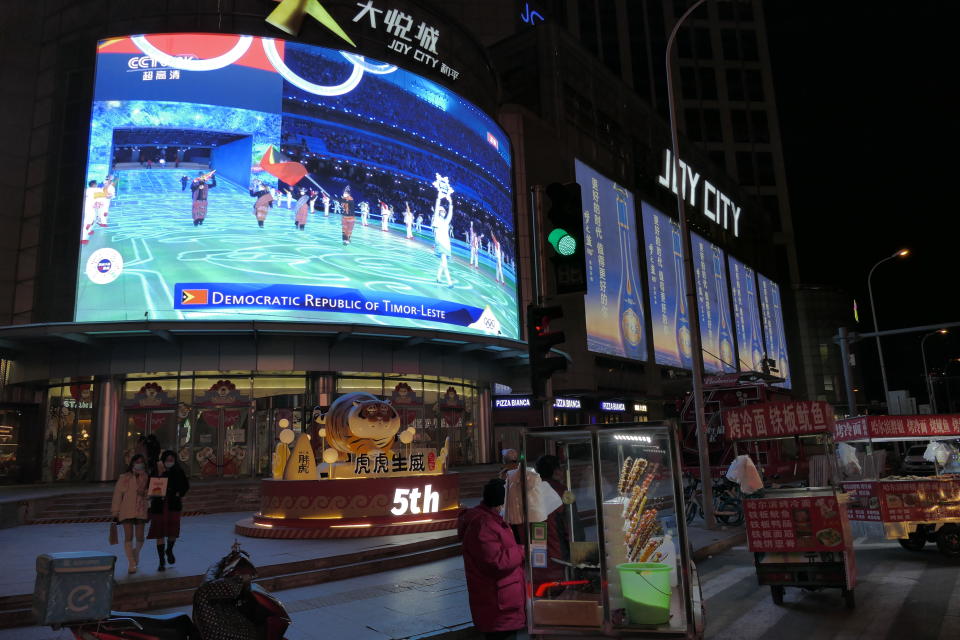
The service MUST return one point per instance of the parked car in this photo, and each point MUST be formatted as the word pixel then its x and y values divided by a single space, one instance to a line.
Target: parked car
pixel 914 462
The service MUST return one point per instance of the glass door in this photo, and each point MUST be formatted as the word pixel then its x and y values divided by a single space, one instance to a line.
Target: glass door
pixel 160 423
pixel 273 414
pixel 221 443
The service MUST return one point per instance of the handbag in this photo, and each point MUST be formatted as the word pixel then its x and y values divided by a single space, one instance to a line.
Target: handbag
pixel 114 537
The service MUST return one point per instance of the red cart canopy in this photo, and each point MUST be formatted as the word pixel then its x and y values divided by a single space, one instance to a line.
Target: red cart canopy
pixel 777 420
pixel 897 427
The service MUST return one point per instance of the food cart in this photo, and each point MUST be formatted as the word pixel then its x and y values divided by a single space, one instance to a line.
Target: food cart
pixel 911 509
pixel 799 537
pixel 613 560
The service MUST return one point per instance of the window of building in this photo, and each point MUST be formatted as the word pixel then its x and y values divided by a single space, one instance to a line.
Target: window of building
pixel 711 125
pixel 748 46
pixel 719 158
pixel 691 119
pixel 754 85
pixel 760 128
pixel 708 84
pixel 766 176
pixel 745 172
pixel 703 46
pixel 741 129
pixel 828 383
pixel 688 83
pixel 735 89
pixel 731 47
pixel 824 351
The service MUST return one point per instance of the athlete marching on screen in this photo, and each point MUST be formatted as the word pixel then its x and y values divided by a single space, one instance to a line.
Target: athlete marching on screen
pixel 441 225
pixel 325 199
pixel 302 207
pixel 313 199
pixel 199 191
pixel 498 254
pixel 264 200
pixel 346 219
pixel 364 212
pixel 90 204
pixel 419 225
pixel 107 193
pixel 474 239
pixel 408 220
pixel 289 194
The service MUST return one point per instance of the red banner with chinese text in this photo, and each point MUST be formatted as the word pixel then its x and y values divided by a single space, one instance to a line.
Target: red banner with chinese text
pixel 777 419
pixel 906 427
pixel 808 523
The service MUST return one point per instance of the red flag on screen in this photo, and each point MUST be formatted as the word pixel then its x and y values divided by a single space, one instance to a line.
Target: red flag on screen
pixel 277 165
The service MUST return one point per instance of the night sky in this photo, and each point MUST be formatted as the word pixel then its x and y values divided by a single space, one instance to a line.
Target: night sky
pixel 870 130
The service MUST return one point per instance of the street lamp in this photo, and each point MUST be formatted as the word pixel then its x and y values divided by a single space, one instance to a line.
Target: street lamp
pixel 931 398
pixel 902 253
pixel 693 317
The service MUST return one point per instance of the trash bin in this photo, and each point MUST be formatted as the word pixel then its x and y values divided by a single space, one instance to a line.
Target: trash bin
pixel 74 586
pixel 646 588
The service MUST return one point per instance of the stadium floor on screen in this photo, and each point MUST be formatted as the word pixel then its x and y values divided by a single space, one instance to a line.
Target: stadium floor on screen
pixel 150 224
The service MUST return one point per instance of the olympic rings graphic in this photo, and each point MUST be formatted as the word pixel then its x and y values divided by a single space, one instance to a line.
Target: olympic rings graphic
pixel 210 64
pixel 360 64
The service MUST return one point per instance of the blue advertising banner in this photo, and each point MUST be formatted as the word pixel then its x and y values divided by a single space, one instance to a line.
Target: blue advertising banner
pixel 715 335
pixel 772 314
pixel 613 302
pixel 746 313
pixel 668 305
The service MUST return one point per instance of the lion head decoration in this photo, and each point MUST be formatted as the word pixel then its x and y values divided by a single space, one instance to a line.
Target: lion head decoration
pixel 360 423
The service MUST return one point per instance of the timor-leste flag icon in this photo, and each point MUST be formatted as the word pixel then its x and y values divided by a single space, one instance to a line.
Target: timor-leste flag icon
pixel 194 296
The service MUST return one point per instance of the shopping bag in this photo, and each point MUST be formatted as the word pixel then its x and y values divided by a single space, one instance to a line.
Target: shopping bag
pixel 849 464
pixel 158 488
pixel 114 538
pixel 542 499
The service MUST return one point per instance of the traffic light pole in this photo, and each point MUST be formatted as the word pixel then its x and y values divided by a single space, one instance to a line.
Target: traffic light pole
pixel 539 277
pixel 706 477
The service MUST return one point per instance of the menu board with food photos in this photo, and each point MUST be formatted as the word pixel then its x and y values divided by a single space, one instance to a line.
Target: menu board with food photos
pixel 796 523
pixel 905 500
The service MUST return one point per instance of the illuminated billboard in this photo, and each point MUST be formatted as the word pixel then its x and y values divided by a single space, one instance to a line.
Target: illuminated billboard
pixel 257 179
pixel 668 304
pixel 716 335
pixel 772 314
pixel 614 299
pixel 746 314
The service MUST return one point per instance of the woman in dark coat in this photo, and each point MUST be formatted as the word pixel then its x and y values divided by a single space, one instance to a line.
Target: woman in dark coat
pixel 165 511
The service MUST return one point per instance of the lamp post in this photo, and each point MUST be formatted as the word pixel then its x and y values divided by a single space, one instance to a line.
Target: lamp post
pixel 902 253
pixel 931 398
pixel 706 478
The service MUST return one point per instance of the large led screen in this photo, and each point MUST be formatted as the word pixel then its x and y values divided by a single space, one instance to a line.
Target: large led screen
pixel 668 303
pixel 614 299
pixel 772 314
pixel 746 314
pixel 716 335
pixel 245 178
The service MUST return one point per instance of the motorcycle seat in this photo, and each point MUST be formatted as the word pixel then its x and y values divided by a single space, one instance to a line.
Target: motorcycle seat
pixel 163 626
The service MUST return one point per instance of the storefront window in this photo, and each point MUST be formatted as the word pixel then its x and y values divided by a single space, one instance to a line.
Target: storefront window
pixel 69 432
pixel 9 444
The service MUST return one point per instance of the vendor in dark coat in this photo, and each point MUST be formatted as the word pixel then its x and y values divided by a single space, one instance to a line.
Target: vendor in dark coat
pixel 165 511
pixel 493 562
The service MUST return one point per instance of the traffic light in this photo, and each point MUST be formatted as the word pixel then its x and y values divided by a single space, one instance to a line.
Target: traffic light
pixel 540 339
pixel 564 234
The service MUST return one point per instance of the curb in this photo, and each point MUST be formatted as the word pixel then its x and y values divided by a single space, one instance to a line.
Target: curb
pixel 719 546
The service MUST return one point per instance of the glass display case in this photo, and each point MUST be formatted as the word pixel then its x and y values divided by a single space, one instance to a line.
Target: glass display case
pixel 612 560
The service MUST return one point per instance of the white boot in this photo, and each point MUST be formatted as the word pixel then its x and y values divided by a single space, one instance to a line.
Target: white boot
pixel 131 556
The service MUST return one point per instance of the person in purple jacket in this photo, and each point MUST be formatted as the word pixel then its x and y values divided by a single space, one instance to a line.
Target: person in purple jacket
pixel 493 562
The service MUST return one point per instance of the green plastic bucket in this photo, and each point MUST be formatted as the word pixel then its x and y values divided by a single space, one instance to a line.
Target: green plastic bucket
pixel 646 588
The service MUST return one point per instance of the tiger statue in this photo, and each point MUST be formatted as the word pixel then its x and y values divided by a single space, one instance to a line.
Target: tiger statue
pixel 359 423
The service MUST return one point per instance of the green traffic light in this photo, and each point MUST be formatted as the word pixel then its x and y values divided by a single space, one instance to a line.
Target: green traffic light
pixel 562 242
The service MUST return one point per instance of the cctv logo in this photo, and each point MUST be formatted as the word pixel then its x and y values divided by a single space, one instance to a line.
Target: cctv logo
pixel 408 500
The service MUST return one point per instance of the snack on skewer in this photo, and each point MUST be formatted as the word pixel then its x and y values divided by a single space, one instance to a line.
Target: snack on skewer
pixel 648 550
pixel 631 507
pixel 639 466
pixel 624 472
pixel 638 537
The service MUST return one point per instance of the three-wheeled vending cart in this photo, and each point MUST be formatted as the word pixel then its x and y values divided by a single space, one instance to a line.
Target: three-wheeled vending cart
pixel 799 537
pixel 911 509
pixel 613 560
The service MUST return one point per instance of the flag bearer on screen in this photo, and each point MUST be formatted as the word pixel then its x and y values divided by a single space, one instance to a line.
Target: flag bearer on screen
pixel 263 203
pixel 302 207
pixel 199 191
pixel 107 193
pixel 346 219
pixel 408 220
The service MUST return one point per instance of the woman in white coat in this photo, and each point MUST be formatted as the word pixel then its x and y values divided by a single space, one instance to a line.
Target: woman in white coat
pixel 129 507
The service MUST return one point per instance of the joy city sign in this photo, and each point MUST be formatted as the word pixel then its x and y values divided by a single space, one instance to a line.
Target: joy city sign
pixel 680 178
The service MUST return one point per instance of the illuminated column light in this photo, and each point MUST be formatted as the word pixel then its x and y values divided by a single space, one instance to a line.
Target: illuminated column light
pixel 210 64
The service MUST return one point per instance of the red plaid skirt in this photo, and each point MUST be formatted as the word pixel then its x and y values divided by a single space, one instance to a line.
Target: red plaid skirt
pixel 165 524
